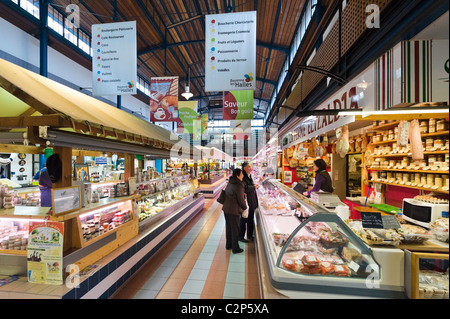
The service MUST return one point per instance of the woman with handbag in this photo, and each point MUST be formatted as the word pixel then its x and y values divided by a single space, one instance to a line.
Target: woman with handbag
pixel 234 204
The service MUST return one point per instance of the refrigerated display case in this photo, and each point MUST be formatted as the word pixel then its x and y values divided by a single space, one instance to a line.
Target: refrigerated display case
pixel 310 249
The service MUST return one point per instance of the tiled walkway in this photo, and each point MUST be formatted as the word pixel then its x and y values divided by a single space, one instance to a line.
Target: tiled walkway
pixel 196 265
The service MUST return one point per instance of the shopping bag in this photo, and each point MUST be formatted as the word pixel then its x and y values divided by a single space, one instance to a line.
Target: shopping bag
pixel 245 212
pixel 222 197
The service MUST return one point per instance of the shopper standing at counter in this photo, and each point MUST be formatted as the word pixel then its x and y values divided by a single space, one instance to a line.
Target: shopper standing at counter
pixel 248 224
pixel 233 206
pixel 323 180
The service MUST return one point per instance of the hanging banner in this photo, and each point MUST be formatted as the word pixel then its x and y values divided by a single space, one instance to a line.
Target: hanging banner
pixel 45 252
pixel 200 127
pixel 114 58
pixel 241 129
pixel 164 99
pixel 238 105
pixel 230 51
pixel 187 116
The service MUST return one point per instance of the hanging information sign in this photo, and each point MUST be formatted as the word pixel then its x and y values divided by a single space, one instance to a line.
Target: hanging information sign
pixel 230 52
pixel 114 58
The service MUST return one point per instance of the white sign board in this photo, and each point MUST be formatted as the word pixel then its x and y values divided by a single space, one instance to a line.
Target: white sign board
pixel 230 51
pixel 65 200
pixel 114 58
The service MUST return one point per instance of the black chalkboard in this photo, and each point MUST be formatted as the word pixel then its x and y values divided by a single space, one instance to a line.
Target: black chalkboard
pixel 371 220
pixel 390 222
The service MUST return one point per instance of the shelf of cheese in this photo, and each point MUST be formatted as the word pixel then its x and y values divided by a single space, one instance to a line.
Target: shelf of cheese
pixel 408 170
pixel 414 187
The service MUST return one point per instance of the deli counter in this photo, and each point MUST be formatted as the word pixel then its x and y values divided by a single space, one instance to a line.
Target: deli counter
pixel 310 252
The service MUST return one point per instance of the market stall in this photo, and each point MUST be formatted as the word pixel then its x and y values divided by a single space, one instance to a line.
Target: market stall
pixel 96 223
pixel 388 160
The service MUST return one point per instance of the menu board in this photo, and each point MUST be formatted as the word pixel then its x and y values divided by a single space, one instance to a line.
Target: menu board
pixel 45 252
pixel 114 58
pixel 230 51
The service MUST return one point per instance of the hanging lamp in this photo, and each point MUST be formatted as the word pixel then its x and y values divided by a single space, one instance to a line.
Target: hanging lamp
pixel 187 91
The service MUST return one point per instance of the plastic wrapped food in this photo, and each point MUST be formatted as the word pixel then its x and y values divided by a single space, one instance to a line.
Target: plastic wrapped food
pixel 326 268
pixel 341 271
pixel 413 234
pixel 280 239
pixel 439 229
pixel 310 260
pixel 403 133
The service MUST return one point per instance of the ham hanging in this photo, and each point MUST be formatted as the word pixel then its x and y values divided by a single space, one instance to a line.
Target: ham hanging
pixel 416 141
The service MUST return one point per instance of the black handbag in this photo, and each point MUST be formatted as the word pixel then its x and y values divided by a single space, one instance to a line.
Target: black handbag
pixel 222 197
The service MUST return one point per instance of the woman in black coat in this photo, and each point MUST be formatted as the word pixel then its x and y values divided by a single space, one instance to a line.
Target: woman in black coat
pixel 248 224
pixel 233 207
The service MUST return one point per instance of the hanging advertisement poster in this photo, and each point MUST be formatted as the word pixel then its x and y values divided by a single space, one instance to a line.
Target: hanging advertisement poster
pixel 187 115
pixel 230 51
pixel 200 127
pixel 238 105
pixel 114 58
pixel 164 99
pixel 241 129
pixel 45 252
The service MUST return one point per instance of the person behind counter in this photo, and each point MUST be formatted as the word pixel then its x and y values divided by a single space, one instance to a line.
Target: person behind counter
pixel 233 206
pixel 323 179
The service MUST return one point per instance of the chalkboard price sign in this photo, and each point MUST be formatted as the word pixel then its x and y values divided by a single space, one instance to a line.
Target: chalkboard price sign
pixel 371 220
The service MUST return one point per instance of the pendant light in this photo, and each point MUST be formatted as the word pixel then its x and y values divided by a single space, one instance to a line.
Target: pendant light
pixel 187 92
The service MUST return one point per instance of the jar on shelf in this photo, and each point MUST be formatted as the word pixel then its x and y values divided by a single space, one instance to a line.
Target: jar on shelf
pixel 431 160
pixel 405 178
pixel 390 135
pixel 437 182
pixel 405 162
pixel 423 180
pixel 441 125
pixel 432 126
pixel 430 180
pixel 438 144
pixel 423 127
pixel 429 143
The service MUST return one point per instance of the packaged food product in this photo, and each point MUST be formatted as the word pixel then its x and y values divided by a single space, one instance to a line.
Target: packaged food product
pixel 326 268
pixel 288 263
pixel 351 254
pixel 413 233
pixel 341 271
pixel 310 260
pixel 439 229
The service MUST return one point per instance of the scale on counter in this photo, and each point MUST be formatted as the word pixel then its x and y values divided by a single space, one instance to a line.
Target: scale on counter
pixel 327 200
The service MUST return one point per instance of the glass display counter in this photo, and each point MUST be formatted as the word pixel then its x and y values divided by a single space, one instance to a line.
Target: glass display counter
pixel 427 275
pixel 309 248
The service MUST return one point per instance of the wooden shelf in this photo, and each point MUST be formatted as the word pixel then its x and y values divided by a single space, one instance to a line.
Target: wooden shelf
pixel 418 188
pixel 422 135
pixel 408 155
pixel 408 170
pixel 384 127
pixel 13 252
